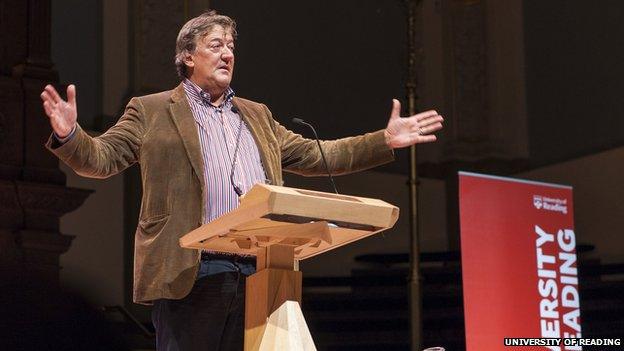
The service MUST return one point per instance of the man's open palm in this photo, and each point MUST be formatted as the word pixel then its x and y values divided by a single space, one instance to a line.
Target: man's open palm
pixel 411 130
pixel 62 113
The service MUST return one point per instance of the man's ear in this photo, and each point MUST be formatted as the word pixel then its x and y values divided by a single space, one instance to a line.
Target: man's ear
pixel 188 61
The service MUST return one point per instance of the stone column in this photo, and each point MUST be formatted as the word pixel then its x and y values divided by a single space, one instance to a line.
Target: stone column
pixel 33 195
pixel 484 100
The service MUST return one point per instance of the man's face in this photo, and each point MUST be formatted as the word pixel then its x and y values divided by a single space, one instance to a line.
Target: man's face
pixel 212 64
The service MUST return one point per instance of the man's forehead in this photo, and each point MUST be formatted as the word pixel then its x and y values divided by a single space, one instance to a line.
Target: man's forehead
pixel 219 32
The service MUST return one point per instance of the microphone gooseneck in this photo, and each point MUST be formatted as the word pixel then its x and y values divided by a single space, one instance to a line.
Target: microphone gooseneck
pixel 299 121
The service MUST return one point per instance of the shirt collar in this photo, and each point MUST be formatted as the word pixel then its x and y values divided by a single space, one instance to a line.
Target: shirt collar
pixel 193 91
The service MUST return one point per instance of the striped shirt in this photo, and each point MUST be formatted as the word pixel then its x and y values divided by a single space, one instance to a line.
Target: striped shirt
pixel 220 129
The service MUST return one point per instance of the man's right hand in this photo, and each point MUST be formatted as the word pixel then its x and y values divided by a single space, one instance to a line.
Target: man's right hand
pixel 62 113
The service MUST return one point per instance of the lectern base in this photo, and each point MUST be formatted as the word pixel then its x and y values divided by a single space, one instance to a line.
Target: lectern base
pixel 287 330
pixel 273 317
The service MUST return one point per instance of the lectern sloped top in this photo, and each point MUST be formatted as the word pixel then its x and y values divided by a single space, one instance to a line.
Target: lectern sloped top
pixel 311 221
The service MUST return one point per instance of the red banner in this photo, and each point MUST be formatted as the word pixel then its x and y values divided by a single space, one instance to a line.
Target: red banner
pixel 519 267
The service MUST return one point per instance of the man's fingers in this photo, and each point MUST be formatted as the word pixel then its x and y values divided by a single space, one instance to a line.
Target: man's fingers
pixel 54 96
pixel 47 108
pixel 426 114
pixel 434 127
pixel 46 97
pixel 396 109
pixel 419 138
pixel 427 138
pixel 431 120
pixel 415 124
pixel 426 129
pixel 71 95
pixel 425 123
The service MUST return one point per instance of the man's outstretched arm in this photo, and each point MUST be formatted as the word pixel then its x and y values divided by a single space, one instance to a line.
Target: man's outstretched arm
pixel 98 157
pixel 352 154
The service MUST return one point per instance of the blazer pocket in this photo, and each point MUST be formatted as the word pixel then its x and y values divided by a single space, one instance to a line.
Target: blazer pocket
pixel 154 224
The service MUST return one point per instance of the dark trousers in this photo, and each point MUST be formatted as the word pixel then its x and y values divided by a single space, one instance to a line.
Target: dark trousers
pixel 210 318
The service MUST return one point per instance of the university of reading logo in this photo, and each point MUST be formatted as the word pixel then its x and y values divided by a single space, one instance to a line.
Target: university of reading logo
pixel 537 201
pixel 550 204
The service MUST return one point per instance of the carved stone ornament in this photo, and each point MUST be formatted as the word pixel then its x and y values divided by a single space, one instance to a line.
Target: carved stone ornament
pixel 50 199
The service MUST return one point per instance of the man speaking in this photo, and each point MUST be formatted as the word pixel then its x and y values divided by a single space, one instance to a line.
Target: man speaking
pixel 199 148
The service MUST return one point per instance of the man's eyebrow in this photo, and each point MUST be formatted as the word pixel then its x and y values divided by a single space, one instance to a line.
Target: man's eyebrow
pixel 221 40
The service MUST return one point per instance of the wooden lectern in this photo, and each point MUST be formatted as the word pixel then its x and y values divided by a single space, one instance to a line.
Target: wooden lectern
pixel 281 226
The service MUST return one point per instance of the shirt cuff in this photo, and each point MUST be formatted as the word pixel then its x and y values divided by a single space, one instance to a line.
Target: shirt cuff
pixel 65 139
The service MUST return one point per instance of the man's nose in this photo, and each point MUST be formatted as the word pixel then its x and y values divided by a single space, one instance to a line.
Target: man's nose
pixel 227 54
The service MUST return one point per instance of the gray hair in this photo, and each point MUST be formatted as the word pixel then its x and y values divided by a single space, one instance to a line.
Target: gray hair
pixel 195 29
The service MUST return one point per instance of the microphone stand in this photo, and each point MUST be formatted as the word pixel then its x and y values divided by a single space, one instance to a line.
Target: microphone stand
pixel 414 279
pixel 318 142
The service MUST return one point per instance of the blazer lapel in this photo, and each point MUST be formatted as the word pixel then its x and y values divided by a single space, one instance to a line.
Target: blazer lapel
pixel 182 117
pixel 254 128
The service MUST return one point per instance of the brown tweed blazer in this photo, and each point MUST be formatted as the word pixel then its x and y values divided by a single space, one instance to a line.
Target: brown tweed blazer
pixel 158 131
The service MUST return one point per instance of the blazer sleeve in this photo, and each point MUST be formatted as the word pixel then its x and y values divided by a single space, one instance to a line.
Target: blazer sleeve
pixel 109 153
pixel 347 155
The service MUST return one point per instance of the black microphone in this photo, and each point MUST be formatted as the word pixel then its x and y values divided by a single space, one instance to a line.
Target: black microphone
pixel 304 123
pixel 237 189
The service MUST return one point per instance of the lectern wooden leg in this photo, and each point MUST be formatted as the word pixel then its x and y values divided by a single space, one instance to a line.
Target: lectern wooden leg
pixel 273 318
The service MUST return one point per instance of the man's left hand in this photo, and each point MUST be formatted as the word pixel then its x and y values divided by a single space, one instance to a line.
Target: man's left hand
pixel 407 131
